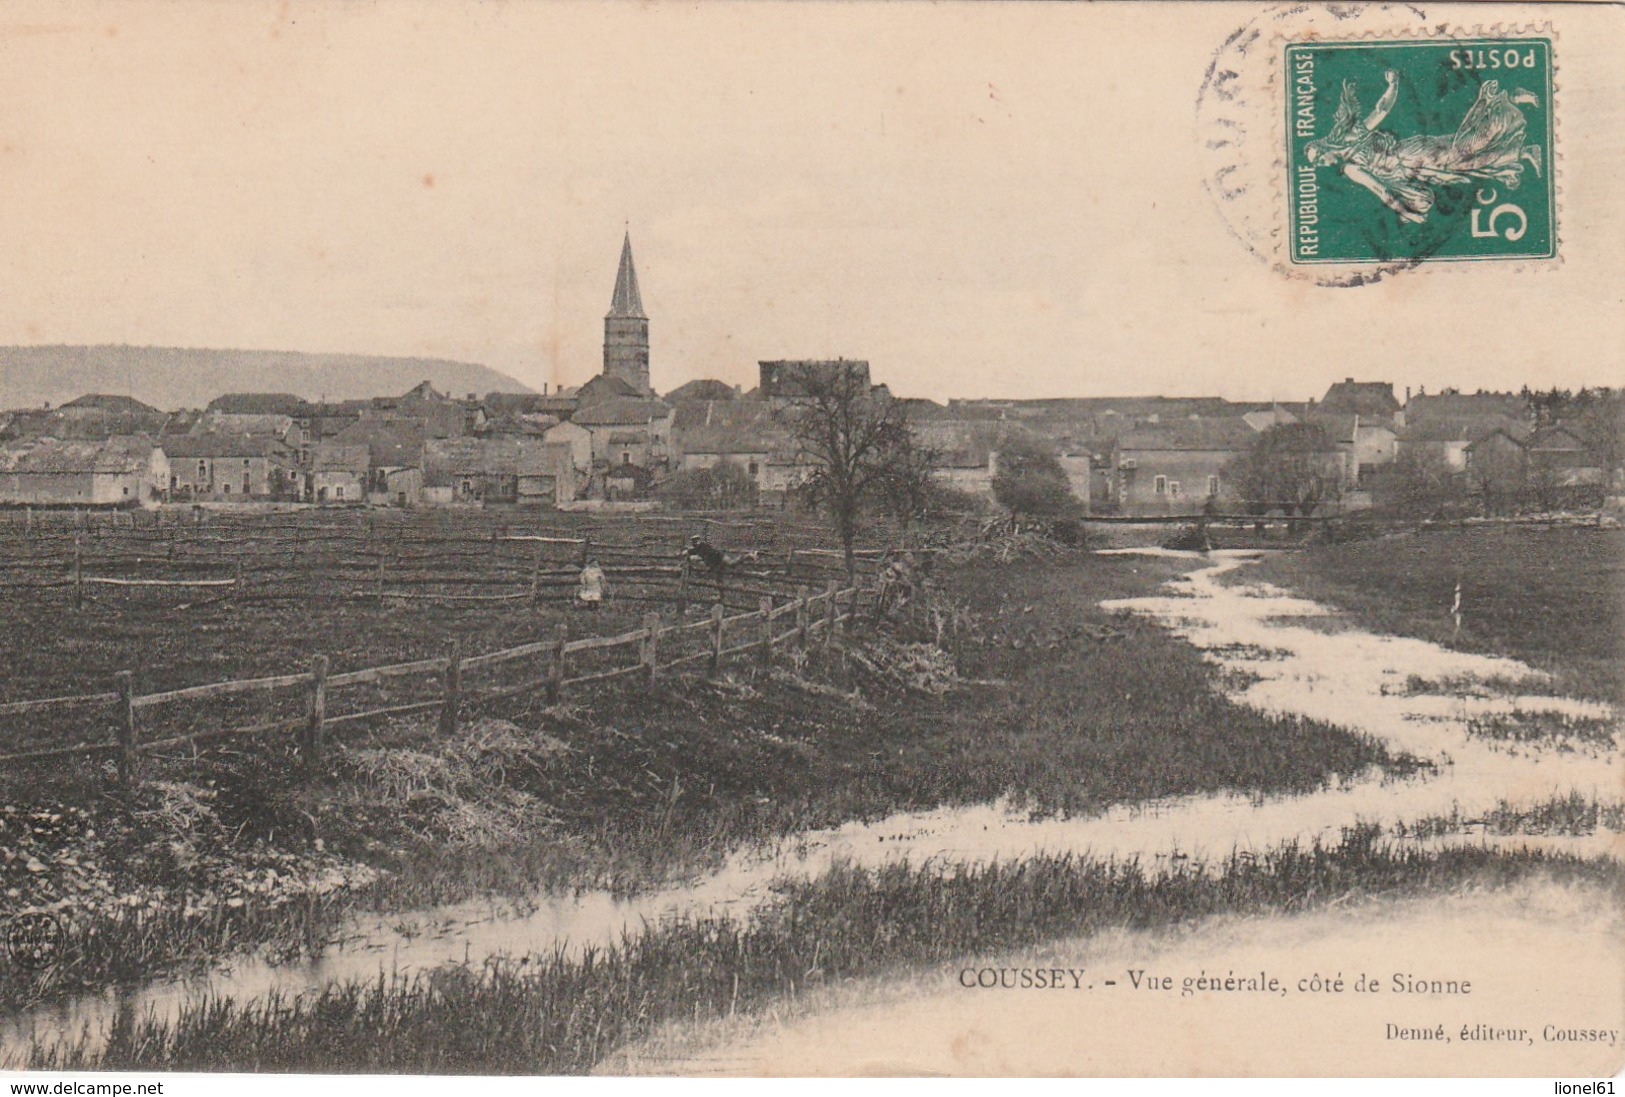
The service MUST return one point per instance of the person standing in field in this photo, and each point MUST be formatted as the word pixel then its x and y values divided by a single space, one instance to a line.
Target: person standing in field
pixel 592 586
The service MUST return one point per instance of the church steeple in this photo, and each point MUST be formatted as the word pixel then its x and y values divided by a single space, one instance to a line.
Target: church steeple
pixel 626 328
pixel 627 301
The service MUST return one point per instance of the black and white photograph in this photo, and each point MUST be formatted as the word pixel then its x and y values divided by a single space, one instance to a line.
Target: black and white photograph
pixel 811 540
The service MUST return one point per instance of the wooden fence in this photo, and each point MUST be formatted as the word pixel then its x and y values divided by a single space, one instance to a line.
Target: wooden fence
pixel 266 566
pixel 655 648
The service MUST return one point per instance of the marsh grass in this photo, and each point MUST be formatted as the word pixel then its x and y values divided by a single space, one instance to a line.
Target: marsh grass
pixel 1550 598
pixel 1561 729
pixel 559 1013
pixel 1573 815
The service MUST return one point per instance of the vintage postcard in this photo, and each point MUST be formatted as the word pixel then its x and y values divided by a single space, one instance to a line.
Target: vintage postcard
pixel 818 539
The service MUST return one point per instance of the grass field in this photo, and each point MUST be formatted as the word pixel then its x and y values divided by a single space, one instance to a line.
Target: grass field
pixel 1060 706
pixel 308 585
pixel 1552 598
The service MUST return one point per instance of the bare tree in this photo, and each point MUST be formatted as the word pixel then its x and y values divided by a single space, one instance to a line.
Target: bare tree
pixel 1291 467
pixel 858 448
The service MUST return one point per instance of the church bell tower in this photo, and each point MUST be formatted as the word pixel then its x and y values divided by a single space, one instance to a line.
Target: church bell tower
pixel 626 328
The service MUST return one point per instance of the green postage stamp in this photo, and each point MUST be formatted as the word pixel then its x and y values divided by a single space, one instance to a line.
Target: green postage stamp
pixel 1428 149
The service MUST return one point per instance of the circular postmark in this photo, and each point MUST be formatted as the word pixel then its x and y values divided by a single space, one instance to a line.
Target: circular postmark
pixel 1241 132
pixel 34 939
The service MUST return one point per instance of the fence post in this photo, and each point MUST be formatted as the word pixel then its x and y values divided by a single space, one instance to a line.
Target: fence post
pixel 801 617
pixel 127 731
pixel 78 575
pixel 586 549
pixel 851 609
pixel 764 654
pixel 535 571
pixel 380 575
pixel 453 687
pixel 555 671
pixel 237 580
pixel 682 584
pixel 831 589
pixel 716 640
pixel 315 732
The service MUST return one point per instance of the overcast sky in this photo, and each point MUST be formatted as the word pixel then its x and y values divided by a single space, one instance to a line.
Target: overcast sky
pixel 1000 200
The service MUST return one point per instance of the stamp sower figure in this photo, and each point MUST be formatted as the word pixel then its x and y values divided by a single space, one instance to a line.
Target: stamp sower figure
pixel 593 586
pixel 1487 146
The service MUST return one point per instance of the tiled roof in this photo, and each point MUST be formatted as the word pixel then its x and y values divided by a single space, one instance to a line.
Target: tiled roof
pixel 447 458
pixel 222 444
pixel 1372 399
pixel 121 454
pixel 260 403
pixel 99 401
pixel 727 426
pixel 1229 433
pixel 1460 428
pixel 623 411
pixel 339 457
pixel 701 390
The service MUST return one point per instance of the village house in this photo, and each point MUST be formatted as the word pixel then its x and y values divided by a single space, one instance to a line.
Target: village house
pixel 437 414
pixel 965 452
pixel 283 428
pixel 1547 469
pixel 497 472
pixel 1463 407
pixel 744 432
pixel 400 486
pixel 1559 455
pixel 578 438
pixel 625 418
pixel 233 468
pixel 338 473
pixel 1176 467
pixel 93 417
pixel 124 470
pixel 1372 401
pixel 1447 438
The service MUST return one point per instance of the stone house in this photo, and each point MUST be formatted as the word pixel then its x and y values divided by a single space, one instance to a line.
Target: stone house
pixel 621 417
pixel 125 470
pixel 497 471
pixel 233 468
pixel 1176 467
pixel 706 433
pixel 578 438
pixel 339 473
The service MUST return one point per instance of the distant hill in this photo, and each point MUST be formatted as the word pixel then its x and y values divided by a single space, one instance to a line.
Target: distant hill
pixel 172 378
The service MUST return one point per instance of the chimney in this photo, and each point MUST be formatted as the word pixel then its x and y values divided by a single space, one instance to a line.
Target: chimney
pixel 544 388
pixel 1407 394
pixel 1348 380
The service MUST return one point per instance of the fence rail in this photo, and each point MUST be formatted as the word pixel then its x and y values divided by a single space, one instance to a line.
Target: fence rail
pixel 819 613
pixel 510 567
